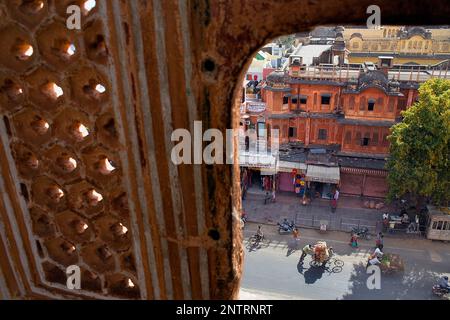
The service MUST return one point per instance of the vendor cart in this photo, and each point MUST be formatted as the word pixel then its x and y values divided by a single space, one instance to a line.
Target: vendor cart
pixel 392 263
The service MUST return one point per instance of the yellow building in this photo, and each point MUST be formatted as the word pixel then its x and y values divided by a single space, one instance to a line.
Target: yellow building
pixel 408 45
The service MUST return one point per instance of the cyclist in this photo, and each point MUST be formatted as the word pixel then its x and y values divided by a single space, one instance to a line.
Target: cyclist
pixel 259 234
pixel 308 249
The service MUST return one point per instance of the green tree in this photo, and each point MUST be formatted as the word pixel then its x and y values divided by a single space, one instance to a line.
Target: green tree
pixel 287 40
pixel 419 153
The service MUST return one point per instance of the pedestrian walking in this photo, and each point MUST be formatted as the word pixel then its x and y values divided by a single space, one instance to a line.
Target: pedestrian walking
pixel 354 240
pixel 333 205
pixel 295 234
pixel 379 242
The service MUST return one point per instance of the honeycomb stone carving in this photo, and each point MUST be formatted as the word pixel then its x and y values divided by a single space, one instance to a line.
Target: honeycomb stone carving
pixel 19 52
pixel 63 163
pixel 28 162
pixel 55 103
pixel 107 131
pixel 96 47
pixel 119 204
pixel 59 46
pixel 88 7
pixel 12 92
pixel 114 232
pixel 29 12
pixel 49 194
pixel 102 166
pixel 47 89
pixel 74 227
pixel 32 126
pixel 73 127
pixel 90 281
pixel 99 257
pixel 90 89
pixel 86 199
pixel 62 251
pixel 53 273
pixel 122 286
pixel 127 262
pixel 43 225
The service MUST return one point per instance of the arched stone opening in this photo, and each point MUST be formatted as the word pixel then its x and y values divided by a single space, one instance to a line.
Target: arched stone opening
pixel 163 64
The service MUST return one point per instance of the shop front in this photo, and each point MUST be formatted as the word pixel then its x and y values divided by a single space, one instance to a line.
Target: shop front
pixel 261 169
pixel 364 182
pixel 289 175
pixel 322 180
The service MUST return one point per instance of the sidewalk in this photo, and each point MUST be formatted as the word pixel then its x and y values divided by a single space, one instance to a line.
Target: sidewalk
pixel 349 213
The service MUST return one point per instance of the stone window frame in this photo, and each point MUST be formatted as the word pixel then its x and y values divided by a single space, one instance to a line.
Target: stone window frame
pixel 322 134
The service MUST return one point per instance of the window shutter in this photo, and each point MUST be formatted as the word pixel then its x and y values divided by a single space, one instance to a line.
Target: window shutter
pixel 348 137
pixel 358 140
pixel 375 138
pixel 351 103
pixel 380 104
pixel 391 104
pixel 362 104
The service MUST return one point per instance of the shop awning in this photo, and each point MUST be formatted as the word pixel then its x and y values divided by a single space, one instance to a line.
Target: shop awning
pixel 268 171
pixel 257 160
pixel 323 174
pixel 286 166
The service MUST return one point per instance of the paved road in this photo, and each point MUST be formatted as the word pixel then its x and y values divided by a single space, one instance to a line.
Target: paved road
pixel 272 272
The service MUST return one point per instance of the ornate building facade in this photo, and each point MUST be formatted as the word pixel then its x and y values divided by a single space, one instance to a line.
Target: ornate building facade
pixel 408 45
pixel 344 113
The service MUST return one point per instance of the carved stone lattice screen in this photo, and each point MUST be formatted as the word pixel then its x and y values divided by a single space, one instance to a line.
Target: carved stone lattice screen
pixel 85 123
pixel 63 136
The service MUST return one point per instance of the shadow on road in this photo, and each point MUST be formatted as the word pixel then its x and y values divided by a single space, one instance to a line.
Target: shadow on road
pixel 313 274
pixel 416 283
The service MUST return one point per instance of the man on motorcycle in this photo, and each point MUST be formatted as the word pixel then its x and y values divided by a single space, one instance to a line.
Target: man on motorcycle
pixel 443 283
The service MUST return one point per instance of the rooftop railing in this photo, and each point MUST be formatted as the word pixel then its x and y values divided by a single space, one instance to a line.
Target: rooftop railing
pixel 345 73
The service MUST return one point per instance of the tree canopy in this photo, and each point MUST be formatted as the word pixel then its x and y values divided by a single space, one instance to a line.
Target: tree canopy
pixel 419 152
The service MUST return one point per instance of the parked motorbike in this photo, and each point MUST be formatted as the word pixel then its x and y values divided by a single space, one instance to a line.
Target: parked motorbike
pixel 440 292
pixel 268 198
pixel 286 227
pixel 362 232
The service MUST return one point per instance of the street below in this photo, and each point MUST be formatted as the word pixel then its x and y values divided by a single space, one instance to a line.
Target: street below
pixel 271 270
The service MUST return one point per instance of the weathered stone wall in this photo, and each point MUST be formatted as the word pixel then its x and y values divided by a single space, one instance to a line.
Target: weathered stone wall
pixel 161 65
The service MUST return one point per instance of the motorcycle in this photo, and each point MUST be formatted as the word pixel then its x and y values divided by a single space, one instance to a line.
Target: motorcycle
pixel 362 232
pixel 440 292
pixel 243 221
pixel 269 198
pixel 286 227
